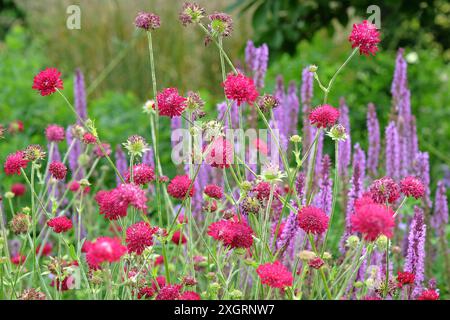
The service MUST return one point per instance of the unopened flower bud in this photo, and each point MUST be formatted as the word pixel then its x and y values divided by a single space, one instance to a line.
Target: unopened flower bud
pixel 9 195
pixel 337 133
pixel 83 160
pixel 267 102
pixel 236 294
pixel 352 242
pixel 296 138
pixel 306 255
pixel 136 146
pixel 381 243
pixel 359 284
pixel 313 68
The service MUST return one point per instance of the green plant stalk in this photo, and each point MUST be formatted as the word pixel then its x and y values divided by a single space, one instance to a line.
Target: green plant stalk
pixel 335 194
pixel 322 274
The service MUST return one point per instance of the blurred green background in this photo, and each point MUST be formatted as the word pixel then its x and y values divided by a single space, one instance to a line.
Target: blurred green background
pixel 114 58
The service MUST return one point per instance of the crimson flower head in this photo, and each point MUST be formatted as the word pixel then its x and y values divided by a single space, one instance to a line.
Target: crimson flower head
pixel 373 220
pixel 140 236
pixel 89 138
pixel 18 189
pixel 312 220
pixel 55 133
pixel 58 170
pixel 275 275
pixel 60 224
pixel 262 190
pixel 232 233
pixel 412 187
pixel 145 293
pixel 178 237
pixel 14 162
pixel 324 116
pixel 142 174
pixel 104 249
pixel 147 21
pixel 47 81
pixel 220 153
pixel 170 103
pixel 365 36
pixel 429 294
pixel 384 190
pixel 404 278
pixel 179 187
pixel 240 88
pixel 213 191
pixel 169 292
pixel 190 295
pixel 316 263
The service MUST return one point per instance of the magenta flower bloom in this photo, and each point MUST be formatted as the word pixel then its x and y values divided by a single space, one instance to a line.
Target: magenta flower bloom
pixel 170 103
pixel 240 88
pixel 366 37
pixel 47 81
pixel 324 116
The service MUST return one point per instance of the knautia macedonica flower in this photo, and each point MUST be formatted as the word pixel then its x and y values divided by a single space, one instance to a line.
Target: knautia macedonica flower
pixel 337 133
pixel 178 238
pixel 194 104
pixel 18 189
pixel 429 294
pixel 271 173
pixel 142 174
pixel 240 88
pixel 312 220
pixel 324 116
pixel 104 249
pixel 60 224
pixel 55 133
pixel 220 24
pixel 89 138
pixel 316 263
pixel 191 13
pixel 147 21
pixel 136 146
pixel 14 162
pixel 373 220
pixel 220 153
pixel 170 103
pixel 213 191
pixel 20 223
pixel 412 187
pixel 190 295
pixel 139 236
pixel 366 37
pixel 275 275
pixel 405 278
pixel 58 170
pixel 267 102
pixel 169 292
pixel 415 257
pixel 32 294
pixel 179 187
pixel 232 233
pixel 384 190
pixel 103 150
pixel 34 152
pixel 47 81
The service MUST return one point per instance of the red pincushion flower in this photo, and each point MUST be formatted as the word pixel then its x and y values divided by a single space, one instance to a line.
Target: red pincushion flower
pixel 384 190
pixel 365 36
pixel 47 81
pixel 324 116
pixel 220 153
pixel 55 133
pixel 60 224
pixel 275 275
pixel 104 249
pixel 170 103
pixel 145 293
pixel 18 189
pixel 364 200
pixel 147 21
pixel 89 138
pixel 412 187
pixel 58 170
pixel 18 259
pixel 142 174
pixel 316 263
pixel 46 250
pixel 140 236
pixel 404 278
pixel 179 187
pixel 14 162
pixel 312 220
pixel 179 238
pixel 232 233
pixel 190 295
pixel 240 88
pixel 429 294
pixel 159 283
pixel 262 190
pixel 373 220
pixel 169 292
pixel 213 191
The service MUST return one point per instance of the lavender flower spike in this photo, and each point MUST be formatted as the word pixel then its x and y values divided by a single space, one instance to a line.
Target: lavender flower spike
pixel 80 96
pixel 345 147
pixel 421 168
pixel 392 152
pixel 373 128
pixel 415 258
pixel 306 94
pixel 439 220
pixel 121 163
